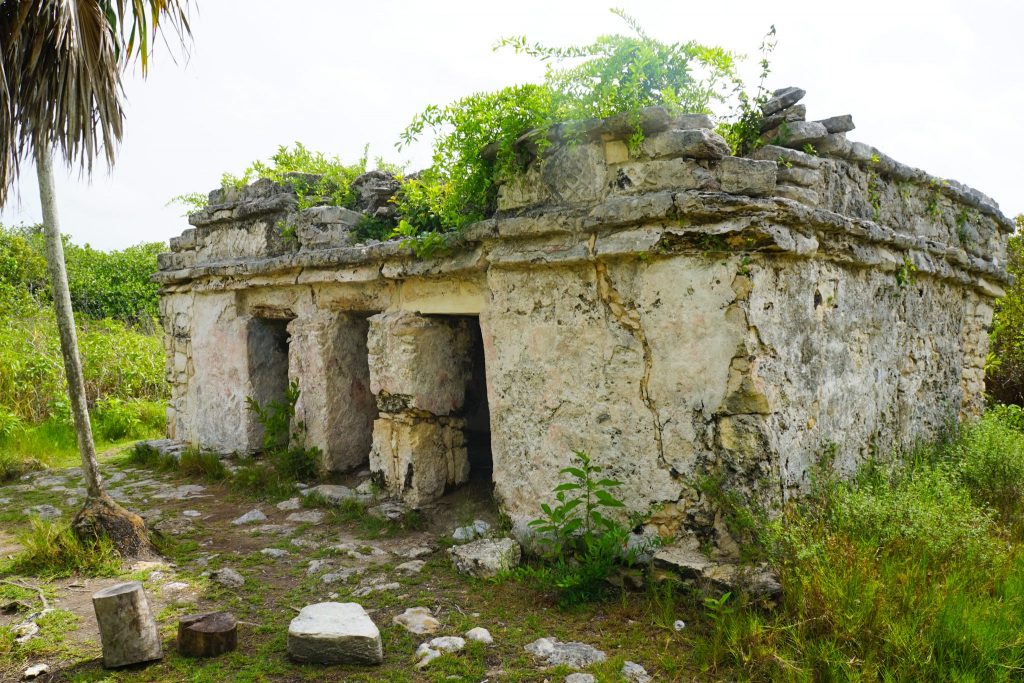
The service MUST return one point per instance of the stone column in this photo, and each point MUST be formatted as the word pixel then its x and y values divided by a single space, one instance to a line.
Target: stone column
pixel 218 417
pixel 328 358
pixel 420 367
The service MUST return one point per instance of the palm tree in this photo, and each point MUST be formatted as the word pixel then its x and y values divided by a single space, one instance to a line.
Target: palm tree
pixel 60 89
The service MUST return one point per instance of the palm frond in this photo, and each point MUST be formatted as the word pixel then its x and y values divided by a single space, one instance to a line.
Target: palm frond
pixel 60 73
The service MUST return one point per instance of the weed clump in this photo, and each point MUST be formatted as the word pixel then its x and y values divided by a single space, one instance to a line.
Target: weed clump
pixel 51 549
pixel 911 571
pixel 580 546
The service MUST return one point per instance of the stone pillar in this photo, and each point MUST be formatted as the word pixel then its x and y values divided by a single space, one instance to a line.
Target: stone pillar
pixel 218 417
pixel 328 358
pixel 420 367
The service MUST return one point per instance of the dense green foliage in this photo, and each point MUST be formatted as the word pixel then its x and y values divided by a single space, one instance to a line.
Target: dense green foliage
pixel 475 147
pixel 123 361
pixel 103 284
pixel 910 572
pixel 1005 366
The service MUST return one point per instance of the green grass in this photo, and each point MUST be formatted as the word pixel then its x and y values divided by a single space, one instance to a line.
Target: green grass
pixel 51 549
pixel 52 442
pixel 910 572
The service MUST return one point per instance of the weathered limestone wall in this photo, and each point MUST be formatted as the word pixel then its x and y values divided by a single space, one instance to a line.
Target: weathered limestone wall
pixel 676 311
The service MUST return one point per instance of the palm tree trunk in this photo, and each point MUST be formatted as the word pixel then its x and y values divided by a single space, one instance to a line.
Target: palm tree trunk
pixel 100 515
pixel 66 323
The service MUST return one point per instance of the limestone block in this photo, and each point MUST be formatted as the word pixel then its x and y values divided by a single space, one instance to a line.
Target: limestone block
pixel 787 155
pixel 334 633
pixel 782 99
pixel 798 176
pixel 326 226
pixel 797 194
pixel 575 174
pixel 747 176
pixel 419 362
pixel 661 174
pixel 797 112
pixel 487 557
pixel 694 144
pixel 796 133
pixel 419 457
pixel 838 124
pixel 328 360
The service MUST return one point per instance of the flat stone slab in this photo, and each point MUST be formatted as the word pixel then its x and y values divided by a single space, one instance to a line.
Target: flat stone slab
pixel 573 655
pixel 334 633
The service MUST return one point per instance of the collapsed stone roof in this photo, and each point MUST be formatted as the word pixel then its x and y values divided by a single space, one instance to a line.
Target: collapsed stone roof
pixel 683 168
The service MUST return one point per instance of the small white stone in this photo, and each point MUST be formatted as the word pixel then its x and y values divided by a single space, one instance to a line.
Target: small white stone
pixel 634 673
pixel 290 504
pixel 228 577
pixel 411 567
pixel 479 635
pixel 432 649
pixel 486 558
pixel 175 587
pixel 306 517
pixel 192 513
pixel 35 671
pixel 250 517
pixel 274 552
pixel 315 566
pixel 580 678
pixel 679 625
pixel 418 620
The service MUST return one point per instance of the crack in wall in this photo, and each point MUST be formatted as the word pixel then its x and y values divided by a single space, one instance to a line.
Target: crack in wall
pixel 626 315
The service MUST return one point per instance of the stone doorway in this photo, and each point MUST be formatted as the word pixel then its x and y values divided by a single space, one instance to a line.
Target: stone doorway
pixel 476 410
pixel 427 375
pixel 268 340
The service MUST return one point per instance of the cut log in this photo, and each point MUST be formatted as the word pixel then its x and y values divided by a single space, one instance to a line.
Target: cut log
pixel 207 635
pixel 128 631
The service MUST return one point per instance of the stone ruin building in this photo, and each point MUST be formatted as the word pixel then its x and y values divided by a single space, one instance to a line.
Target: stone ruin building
pixel 675 311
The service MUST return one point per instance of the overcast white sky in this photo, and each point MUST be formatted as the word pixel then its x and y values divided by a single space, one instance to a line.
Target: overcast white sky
pixel 937 84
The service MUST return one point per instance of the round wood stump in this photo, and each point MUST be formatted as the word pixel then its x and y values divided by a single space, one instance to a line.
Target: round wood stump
pixel 207 635
pixel 128 631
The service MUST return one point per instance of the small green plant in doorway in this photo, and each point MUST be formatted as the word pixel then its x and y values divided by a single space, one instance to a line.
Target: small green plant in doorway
pixel 580 545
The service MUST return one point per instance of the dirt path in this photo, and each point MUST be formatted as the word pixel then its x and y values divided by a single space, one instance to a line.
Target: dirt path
pixel 287 563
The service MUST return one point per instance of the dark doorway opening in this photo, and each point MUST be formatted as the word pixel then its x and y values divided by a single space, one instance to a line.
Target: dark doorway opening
pixel 476 411
pixel 268 366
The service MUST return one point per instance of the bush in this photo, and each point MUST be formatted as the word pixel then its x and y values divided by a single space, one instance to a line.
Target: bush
pixel 475 148
pixel 115 284
pixel 116 419
pixel 315 177
pixel 989 458
pixel 475 138
pixel 118 361
pixel 1005 367
pixel 580 547
pixel 906 573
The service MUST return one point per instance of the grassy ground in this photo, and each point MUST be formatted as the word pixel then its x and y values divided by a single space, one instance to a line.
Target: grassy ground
pixel 52 443
pixel 908 573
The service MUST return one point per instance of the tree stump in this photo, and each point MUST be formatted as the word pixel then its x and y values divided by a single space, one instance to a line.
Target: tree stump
pixel 207 635
pixel 127 629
